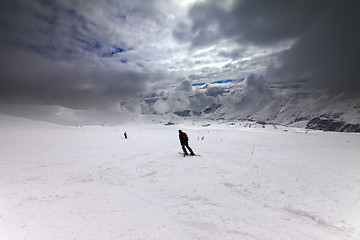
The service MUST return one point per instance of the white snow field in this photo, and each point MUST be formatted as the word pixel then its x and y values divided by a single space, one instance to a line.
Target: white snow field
pixel 64 182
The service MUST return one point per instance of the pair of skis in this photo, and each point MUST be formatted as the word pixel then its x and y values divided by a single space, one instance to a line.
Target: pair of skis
pixel 184 155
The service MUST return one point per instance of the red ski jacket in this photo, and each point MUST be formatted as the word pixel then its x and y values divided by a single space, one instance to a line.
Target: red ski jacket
pixel 183 137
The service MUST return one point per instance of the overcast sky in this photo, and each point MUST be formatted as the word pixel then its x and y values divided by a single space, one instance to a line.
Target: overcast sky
pixel 94 53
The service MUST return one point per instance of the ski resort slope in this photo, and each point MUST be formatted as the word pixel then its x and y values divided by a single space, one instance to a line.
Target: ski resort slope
pixel 63 182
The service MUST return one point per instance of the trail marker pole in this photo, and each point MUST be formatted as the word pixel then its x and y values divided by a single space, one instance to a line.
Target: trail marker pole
pixel 252 153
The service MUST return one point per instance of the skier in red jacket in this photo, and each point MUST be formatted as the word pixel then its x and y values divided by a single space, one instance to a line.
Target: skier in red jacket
pixel 184 141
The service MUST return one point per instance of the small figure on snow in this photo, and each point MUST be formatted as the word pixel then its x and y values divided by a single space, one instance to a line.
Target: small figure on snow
pixel 125 135
pixel 184 141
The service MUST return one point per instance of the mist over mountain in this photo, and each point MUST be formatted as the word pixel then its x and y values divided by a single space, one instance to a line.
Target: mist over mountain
pixel 273 103
pixel 247 100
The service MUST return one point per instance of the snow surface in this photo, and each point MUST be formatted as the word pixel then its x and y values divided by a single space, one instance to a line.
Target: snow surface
pixel 66 182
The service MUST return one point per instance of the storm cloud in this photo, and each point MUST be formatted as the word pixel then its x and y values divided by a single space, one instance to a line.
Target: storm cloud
pixel 100 54
pixel 76 53
pixel 314 41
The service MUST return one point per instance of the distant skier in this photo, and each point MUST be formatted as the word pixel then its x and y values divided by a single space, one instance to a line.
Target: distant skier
pixel 184 141
pixel 125 135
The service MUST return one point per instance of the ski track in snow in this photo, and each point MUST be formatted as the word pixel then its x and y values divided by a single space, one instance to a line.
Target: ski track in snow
pixel 90 183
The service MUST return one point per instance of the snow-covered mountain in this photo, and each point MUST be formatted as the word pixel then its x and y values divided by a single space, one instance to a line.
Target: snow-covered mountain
pixel 275 104
pixel 278 103
pixel 314 110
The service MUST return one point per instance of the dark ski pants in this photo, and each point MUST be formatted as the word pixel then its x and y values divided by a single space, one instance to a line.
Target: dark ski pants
pixel 186 144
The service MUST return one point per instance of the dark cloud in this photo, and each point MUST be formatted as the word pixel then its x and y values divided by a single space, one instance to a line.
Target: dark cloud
pixel 234 54
pixel 73 53
pixel 185 86
pixel 99 53
pixel 255 85
pixel 327 52
pixel 32 78
pixel 257 22
pixel 325 36
pixel 200 100
pixel 215 91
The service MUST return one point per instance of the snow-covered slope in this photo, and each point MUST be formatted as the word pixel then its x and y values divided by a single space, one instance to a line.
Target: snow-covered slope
pixel 250 183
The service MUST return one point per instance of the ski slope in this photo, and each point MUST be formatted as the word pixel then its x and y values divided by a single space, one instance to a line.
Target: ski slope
pixel 65 182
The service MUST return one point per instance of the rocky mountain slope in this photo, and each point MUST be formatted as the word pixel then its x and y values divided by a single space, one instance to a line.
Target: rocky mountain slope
pixel 283 105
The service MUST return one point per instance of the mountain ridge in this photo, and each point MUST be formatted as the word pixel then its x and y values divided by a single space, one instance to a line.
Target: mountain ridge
pixel 279 105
